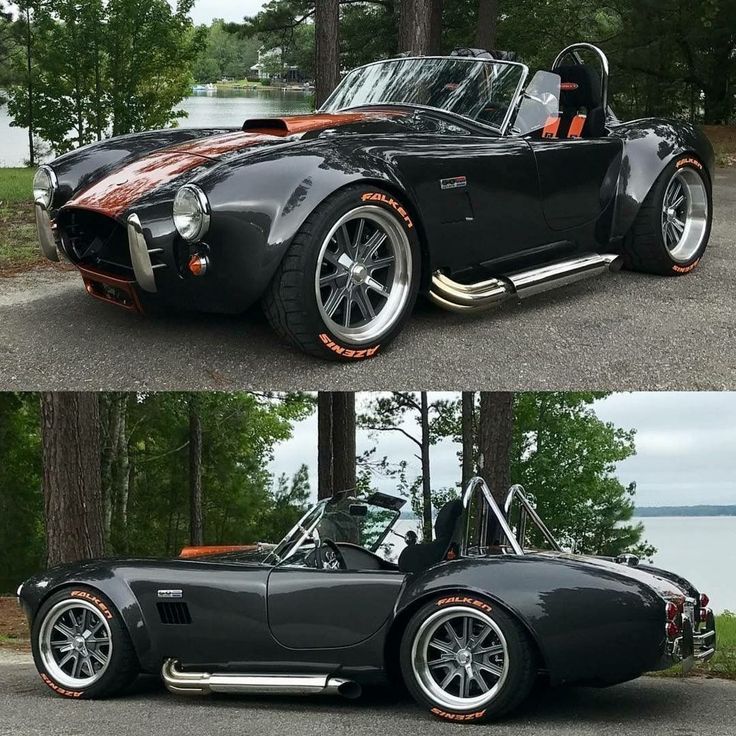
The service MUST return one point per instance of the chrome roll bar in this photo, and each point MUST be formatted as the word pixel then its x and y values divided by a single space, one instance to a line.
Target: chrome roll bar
pixel 574 51
pixel 518 492
pixel 470 489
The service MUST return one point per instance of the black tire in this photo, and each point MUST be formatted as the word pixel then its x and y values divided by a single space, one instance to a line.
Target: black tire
pixel 644 247
pixel 290 302
pixel 122 667
pixel 520 675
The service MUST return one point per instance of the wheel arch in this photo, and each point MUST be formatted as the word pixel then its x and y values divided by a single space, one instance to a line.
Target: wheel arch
pixel 650 146
pixel 404 615
pixel 126 605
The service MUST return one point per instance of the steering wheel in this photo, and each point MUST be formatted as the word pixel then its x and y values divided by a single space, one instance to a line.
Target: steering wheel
pixel 329 557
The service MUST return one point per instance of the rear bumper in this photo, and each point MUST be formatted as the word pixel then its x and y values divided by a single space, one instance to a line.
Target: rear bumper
pixel 696 642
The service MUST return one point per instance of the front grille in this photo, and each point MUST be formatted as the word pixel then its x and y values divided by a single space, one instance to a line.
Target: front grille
pixel 174 612
pixel 92 239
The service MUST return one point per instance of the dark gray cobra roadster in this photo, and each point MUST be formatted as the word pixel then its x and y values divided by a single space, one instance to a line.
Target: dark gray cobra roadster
pixel 456 177
pixel 466 622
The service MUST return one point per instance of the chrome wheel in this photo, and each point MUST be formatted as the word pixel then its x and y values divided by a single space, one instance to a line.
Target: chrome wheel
pixel 363 274
pixel 75 644
pixel 684 214
pixel 460 658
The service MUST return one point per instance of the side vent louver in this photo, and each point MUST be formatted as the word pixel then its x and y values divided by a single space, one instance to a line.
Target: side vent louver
pixel 174 612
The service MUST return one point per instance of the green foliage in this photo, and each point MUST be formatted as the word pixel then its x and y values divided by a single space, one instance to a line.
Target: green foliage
pixel 21 501
pixel 566 457
pixel 223 54
pixel 104 67
pixel 241 501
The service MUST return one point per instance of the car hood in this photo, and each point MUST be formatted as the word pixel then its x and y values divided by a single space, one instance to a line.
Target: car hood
pixel 667 585
pixel 115 193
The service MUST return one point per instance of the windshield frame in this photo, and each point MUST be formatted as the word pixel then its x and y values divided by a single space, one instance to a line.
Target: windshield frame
pixel 299 533
pixel 501 130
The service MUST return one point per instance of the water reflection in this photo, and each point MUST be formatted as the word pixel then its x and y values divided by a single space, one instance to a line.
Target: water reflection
pixel 226 108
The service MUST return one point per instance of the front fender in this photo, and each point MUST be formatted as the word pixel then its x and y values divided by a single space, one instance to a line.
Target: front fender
pixel 260 201
pixel 108 581
pixel 650 145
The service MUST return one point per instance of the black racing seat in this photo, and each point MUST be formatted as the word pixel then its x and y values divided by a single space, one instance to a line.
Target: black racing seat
pixel 419 557
pixel 581 91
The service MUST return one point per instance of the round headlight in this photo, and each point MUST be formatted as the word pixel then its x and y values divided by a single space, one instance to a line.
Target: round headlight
pixel 44 185
pixel 191 213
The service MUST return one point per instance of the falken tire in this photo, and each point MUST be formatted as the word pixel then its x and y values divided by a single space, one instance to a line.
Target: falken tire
pixel 424 678
pixel 121 667
pixel 330 266
pixel 647 248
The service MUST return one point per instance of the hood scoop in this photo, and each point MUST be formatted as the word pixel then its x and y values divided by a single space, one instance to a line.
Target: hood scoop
pixel 277 125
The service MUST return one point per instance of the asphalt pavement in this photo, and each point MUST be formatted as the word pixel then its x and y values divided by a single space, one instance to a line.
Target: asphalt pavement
pixel 620 331
pixel 652 706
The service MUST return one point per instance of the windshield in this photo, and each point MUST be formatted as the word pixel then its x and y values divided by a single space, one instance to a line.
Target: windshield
pixel 482 90
pixel 361 521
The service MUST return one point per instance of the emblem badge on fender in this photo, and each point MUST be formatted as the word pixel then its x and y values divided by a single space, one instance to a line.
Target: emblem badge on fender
pixel 169 594
pixel 454 182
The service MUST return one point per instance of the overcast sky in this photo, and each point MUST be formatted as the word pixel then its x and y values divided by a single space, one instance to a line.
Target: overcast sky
pixel 686 448
pixel 231 10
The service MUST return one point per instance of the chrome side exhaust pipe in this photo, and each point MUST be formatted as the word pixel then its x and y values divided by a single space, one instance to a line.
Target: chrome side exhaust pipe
pixel 482 295
pixel 204 683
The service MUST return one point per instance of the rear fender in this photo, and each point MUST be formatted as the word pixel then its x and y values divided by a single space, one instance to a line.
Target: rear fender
pixel 650 145
pixel 590 625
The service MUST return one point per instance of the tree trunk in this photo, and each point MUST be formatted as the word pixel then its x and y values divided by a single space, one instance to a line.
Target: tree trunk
pixel 426 479
pixel 31 111
pixel 196 525
pixel 414 27
pixel 336 442
pixel 468 437
pixel 487 30
pixel 495 436
pixel 72 477
pixel 327 33
pixel 435 28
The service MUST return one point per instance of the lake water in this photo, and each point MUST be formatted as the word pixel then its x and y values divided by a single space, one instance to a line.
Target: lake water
pixel 206 110
pixel 699 548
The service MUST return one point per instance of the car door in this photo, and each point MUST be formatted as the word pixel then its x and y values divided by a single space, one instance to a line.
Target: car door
pixel 478 196
pixel 323 609
pixel 577 178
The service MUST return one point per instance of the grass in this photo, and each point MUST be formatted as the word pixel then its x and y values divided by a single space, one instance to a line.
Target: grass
pixel 18 240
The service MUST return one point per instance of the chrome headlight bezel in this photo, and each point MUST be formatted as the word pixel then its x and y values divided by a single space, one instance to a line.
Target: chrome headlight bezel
pixel 192 213
pixel 45 184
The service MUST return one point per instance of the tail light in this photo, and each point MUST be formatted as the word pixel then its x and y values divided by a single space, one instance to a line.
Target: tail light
pixel 672 629
pixel 704 600
pixel 703 614
pixel 671 610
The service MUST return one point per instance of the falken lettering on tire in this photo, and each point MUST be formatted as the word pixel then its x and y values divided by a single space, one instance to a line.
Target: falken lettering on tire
pixel 457 716
pixel 463 600
pixel 391 202
pixel 60 690
pixel 356 354
pixel 93 599
pixel 691 162
pixel 686 269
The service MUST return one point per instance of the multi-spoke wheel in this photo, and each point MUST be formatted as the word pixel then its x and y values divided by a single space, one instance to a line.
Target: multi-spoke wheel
pixel 75 643
pixel 671 231
pixel 350 278
pixel 80 647
pixel 465 660
pixel 684 214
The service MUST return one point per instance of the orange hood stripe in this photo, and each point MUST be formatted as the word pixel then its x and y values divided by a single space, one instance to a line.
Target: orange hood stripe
pixel 115 194
pixel 188 552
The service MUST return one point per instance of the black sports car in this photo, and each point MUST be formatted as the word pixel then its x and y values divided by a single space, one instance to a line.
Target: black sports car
pixel 466 622
pixel 450 176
